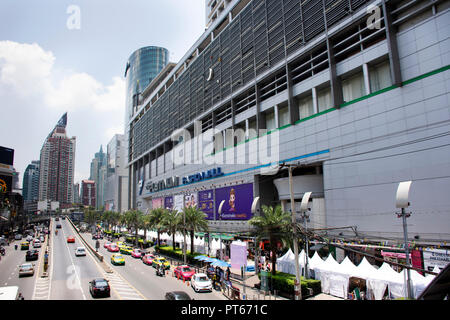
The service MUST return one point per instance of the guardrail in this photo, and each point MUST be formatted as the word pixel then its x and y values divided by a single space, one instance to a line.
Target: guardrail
pixel 98 255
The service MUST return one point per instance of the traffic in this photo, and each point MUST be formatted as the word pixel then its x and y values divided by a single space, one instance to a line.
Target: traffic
pixel 57 262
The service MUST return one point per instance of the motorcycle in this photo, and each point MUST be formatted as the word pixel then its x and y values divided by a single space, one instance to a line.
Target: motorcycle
pixel 2 251
pixel 160 272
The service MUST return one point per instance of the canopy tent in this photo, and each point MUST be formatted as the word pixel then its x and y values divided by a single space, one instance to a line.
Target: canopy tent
pixel 314 263
pixel 334 277
pixel 286 263
pixel 382 278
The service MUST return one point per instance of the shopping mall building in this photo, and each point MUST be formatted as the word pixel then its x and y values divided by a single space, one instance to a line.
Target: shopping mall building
pixel 353 93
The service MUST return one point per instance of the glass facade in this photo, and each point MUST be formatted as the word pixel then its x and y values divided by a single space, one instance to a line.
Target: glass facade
pixel 142 67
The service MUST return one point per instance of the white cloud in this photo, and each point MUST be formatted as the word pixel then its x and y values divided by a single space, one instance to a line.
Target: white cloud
pixel 36 93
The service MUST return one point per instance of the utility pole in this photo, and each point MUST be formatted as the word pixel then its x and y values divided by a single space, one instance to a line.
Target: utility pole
pixel 402 201
pixel 297 286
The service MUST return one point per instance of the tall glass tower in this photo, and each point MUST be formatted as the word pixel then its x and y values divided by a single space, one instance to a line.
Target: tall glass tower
pixel 142 67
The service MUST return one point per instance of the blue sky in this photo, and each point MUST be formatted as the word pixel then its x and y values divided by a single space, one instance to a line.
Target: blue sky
pixel 47 69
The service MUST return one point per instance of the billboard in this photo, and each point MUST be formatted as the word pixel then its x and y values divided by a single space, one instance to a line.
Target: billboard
pixel 157 203
pixel 168 203
pixel 6 156
pixel 178 202
pixel 5 183
pixel 238 202
pixel 206 203
pixel 190 200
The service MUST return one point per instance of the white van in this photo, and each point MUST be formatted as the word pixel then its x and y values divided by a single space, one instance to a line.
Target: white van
pixel 9 293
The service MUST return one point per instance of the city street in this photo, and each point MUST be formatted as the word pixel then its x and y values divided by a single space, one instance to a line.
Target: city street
pixel 69 275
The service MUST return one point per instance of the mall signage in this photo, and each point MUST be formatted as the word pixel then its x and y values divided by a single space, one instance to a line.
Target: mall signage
pixel 171 182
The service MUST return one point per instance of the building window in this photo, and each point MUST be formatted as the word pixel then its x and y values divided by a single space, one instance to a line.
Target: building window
pixel 324 99
pixel 283 115
pixel 252 133
pixel 353 87
pixel 380 76
pixel 270 120
pixel 305 106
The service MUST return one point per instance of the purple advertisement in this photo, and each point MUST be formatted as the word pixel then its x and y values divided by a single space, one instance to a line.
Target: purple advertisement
pixel 206 203
pixel 238 202
pixel 168 203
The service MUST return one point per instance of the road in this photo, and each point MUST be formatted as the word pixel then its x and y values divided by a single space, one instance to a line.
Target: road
pixel 69 276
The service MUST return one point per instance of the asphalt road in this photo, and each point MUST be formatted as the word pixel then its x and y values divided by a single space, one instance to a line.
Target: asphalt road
pixel 69 276
pixel 144 280
pixel 9 270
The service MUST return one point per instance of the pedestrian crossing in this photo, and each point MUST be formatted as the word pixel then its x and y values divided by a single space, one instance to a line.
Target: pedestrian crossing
pixel 122 288
pixel 42 289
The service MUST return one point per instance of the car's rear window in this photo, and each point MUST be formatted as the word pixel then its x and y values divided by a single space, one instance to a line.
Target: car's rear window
pixel 186 269
pixel 101 283
pixel 202 278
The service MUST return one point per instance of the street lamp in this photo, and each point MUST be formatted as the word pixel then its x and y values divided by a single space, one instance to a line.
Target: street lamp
pixel 304 209
pixel 403 202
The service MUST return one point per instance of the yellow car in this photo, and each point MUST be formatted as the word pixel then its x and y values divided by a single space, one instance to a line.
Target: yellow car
pixel 117 259
pixel 125 249
pixel 120 243
pixel 161 261
pixel 25 245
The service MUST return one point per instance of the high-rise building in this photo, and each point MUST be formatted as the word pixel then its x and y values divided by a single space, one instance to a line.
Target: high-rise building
pixel 57 164
pixel 98 173
pixel 115 195
pixel 353 94
pixel 30 184
pixel 76 193
pixel 88 194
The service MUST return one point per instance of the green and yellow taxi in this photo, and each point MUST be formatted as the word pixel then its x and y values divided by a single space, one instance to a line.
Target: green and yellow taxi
pixel 117 259
pixel 161 261
pixel 25 245
pixel 120 243
pixel 125 249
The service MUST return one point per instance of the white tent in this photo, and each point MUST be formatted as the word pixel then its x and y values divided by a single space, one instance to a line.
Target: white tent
pixel 384 277
pixel 364 269
pixel 334 278
pixel 286 263
pixel 314 263
pixel 419 282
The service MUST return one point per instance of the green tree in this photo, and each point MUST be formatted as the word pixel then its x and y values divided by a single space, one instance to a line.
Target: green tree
pixel 133 219
pixel 274 224
pixel 156 221
pixel 195 221
pixel 172 220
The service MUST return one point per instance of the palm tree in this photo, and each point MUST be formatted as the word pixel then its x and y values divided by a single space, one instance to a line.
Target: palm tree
pixel 156 218
pixel 195 221
pixel 274 224
pixel 133 219
pixel 145 224
pixel 172 221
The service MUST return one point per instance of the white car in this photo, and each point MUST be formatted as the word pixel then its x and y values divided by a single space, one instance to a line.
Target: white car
pixel 18 236
pixel 201 282
pixel 29 238
pixel 36 243
pixel 26 269
pixel 80 251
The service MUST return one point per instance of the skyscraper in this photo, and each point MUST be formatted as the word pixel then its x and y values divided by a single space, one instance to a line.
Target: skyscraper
pixel 30 184
pixel 115 194
pixel 57 165
pixel 88 193
pixel 98 174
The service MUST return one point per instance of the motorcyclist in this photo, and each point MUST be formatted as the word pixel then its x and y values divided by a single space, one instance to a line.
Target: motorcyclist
pixel 56 232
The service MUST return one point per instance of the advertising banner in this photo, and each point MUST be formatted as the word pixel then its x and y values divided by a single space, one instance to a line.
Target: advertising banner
pixel 190 200
pixel 168 203
pixel 157 203
pixel 5 183
pixel 238 255
pixel 178 202
pixel 238 202
pixel 435 257
pixel 206 203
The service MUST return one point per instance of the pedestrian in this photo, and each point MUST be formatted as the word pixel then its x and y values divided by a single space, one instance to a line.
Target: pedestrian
pixel 15 246
pixel 228 274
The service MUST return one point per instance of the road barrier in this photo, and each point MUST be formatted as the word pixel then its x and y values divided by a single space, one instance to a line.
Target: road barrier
pixel 98 255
